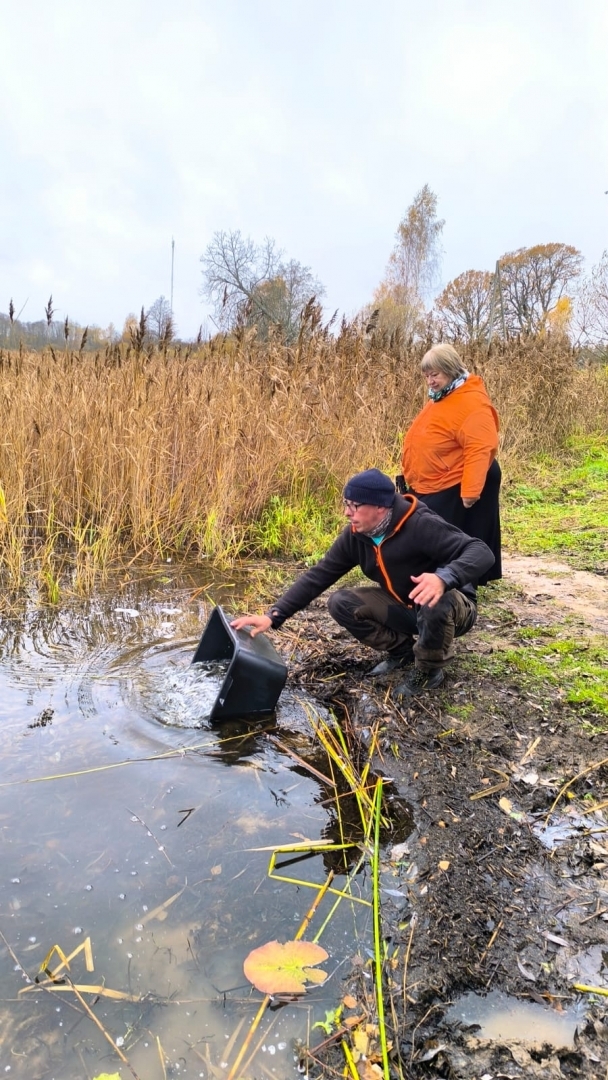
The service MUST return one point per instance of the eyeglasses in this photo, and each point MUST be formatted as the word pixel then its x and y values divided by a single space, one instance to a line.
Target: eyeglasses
pixel 348 505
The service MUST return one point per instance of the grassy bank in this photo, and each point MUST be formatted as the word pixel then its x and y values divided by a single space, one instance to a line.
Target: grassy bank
pixel 549 656
pixel 238 448
pixel 556 504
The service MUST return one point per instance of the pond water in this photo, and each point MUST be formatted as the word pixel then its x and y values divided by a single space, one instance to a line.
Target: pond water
pixel 506 1019
pixel 127 820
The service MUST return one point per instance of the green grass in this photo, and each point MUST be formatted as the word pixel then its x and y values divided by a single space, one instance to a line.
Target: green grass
pixel 559 507
pixel 576 669
pixel 558 661
pixel 298 529
pixel 547 662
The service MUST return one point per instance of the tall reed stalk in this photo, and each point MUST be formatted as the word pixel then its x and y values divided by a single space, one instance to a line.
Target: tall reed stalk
pixel 234 446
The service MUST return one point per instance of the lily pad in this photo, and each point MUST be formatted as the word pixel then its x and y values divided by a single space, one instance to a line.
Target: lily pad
pixel 283 969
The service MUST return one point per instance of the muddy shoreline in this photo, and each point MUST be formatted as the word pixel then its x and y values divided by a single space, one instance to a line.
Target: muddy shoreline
pixel 493 891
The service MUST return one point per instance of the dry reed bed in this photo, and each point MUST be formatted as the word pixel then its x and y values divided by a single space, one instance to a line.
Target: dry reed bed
pixel 154 452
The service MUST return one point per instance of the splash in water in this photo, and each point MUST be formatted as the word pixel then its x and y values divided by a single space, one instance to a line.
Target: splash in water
pixel 185 697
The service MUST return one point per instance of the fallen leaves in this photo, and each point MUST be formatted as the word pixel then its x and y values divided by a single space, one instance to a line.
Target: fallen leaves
pixel 526 970
pixel 492 789
pixel 507 808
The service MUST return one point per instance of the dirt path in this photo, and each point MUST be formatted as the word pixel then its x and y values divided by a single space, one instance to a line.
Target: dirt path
pixel 559 586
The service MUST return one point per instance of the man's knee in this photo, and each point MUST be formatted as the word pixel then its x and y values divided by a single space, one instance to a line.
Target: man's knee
pixel 453 608
pixel 465 613
pixel 439 614
pixel 341 604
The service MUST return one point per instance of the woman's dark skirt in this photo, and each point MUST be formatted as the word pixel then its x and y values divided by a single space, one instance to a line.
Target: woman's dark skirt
pixel 481 520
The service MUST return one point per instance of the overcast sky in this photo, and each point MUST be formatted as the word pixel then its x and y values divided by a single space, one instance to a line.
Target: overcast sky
pixel 124 123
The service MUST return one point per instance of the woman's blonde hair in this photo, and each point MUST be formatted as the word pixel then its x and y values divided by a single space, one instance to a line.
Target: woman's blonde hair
pixel 443 358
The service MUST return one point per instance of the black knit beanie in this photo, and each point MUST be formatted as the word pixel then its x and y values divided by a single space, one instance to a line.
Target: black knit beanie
pixel 370 487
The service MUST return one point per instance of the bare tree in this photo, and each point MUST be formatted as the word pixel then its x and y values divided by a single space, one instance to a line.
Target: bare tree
pixel 413 266
pixel 463 308
pixel 534 280
pixel 591 308
pixel 159 320
pixel 250 284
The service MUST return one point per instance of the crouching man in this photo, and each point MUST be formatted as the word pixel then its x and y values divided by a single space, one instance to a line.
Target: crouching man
pixel 424 572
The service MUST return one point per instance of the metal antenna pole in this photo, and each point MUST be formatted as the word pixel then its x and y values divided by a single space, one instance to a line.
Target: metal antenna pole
pixel 493 306
pixel 502 303
pixel 172 264
pixel 497 296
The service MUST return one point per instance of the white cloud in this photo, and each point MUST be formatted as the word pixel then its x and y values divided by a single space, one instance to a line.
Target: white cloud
pixel 129 123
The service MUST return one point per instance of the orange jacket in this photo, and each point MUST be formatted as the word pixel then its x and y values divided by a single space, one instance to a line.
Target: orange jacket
pixel 452 441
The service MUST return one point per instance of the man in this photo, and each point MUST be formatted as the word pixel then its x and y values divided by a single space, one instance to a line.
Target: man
pixel 423 568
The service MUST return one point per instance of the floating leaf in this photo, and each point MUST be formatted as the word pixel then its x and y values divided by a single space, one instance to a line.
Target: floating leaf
pixel 283 969
pixel 107 1076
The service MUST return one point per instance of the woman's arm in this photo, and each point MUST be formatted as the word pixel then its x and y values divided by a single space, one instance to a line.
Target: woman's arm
pixel 479 440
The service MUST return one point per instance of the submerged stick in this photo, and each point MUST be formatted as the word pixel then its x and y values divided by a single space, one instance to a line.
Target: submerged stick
pixel 14 958
pixel 112 765
pixel 300 761
pixel 161 1054
pixel 161 847
pixel 106 1034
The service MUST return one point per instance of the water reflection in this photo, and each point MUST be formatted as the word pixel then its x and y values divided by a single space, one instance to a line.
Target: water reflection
pixel 143 840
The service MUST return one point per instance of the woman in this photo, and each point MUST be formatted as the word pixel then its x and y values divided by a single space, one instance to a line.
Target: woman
pixel 449 452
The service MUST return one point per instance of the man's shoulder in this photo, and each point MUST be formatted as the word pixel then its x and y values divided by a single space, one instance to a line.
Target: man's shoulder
pixel 411 512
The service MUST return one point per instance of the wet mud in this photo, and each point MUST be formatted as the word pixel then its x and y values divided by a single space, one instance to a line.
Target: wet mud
pixel 496 903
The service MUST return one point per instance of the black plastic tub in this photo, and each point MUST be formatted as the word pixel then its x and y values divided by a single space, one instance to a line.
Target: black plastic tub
pixel 256 674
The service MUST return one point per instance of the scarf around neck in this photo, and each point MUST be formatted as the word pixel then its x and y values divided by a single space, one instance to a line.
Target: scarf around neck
pixel 437 395
pixel 382 526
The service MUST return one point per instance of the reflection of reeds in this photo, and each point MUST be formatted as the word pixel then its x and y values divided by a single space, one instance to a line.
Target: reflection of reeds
pixel 233 446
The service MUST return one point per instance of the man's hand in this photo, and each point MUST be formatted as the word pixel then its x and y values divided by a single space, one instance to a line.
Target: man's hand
pixel 259 623
pixel 467 503
pixel 429 589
